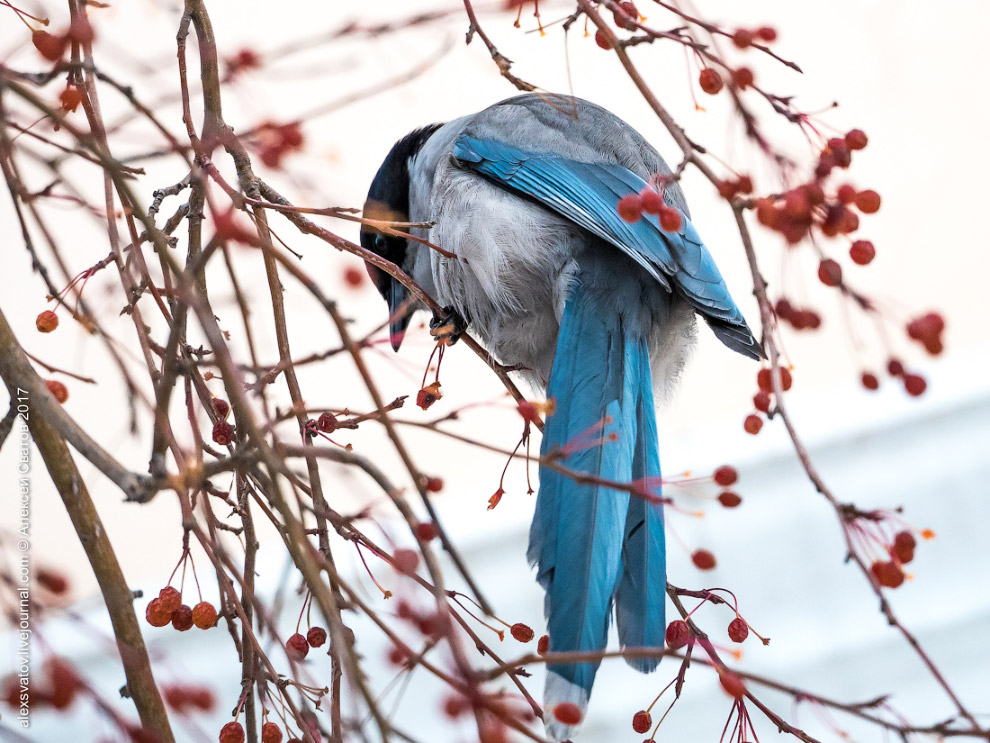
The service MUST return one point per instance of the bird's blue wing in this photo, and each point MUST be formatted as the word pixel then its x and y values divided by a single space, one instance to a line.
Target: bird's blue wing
pixel 587 194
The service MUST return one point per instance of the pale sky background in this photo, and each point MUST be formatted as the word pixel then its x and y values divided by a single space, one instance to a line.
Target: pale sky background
pixel 911 77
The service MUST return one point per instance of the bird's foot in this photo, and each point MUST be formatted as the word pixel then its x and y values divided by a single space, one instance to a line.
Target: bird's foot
pixel 447 326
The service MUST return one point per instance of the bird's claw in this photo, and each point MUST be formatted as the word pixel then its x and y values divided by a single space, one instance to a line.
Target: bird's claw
pixel 447 326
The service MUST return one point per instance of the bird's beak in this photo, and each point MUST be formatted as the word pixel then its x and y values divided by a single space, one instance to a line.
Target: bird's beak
pixel 399 312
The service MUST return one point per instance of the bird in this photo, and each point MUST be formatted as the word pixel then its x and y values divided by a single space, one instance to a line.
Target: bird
pixel 536 261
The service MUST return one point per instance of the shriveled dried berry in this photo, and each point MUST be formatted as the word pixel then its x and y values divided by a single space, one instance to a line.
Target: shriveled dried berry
pixel 642 721
pixel 223 433
pixel 271 733
pixel 46 321
pixel 59 391
pixel 232 732
pixel 602 40
pixel 156 615
pixel 522 632
pixel 743 77
pixel 171 599
pixel 738 630
pixel 182 618
pixel 327 422
pixel 856 139
pixel 204 615
pixel 543 645
pixel 316 637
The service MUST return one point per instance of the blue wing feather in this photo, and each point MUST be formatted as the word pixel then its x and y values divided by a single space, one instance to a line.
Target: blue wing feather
pixel 587 194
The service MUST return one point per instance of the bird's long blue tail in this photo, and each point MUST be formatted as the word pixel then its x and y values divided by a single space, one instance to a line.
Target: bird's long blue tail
pixel 595 546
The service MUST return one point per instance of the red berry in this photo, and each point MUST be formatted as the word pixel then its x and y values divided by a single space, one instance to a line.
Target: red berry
pixel 296 647
pixel 567 713
pixel 870 381
pixel 830 272
pixel 784 309
pixel 846 194
pixel 220 406
pixel 204 615
pixel 630 208
pixel 49 46
pixel 270 733
pixel 752 424
pixel 888 574
pixel 156 615
pixel 232 732
pixel 743 77
pixel 53 581
pixel 70 98
pixel 732 684
pixel 425 531
pixel 327 422
pixel 914 384
pixel 353 277
pixel 642 721
pixel 744 184
pixel 905 540
pixel 182 618
pixel 670 219
pixel 543 645
pixel 856 139
pixel 729 499
pixel 895 368
pixel 726 475
pixel 710 81
pixel 433 484
pixel 738 629
pixel 406 561
pixel 59 391
pixel 455 706
pixel 522 632
pixel 428 395
pixel 397 656
pixel 767 33
pixel 602 40
pixel 764 379
pixel 46 321
pixel 868 201
pixel 761 401
pixel 80 30
pixel 742 38
pixel 223 433
pixel 862 252
pixel 171 599
pixel 678 634
pixel 703 560
pixel 316 637
pixel 652 201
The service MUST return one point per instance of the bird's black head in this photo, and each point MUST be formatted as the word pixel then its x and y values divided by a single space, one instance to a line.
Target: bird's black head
pixel 388 200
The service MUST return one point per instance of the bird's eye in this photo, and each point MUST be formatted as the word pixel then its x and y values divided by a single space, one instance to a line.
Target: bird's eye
pixel 380 242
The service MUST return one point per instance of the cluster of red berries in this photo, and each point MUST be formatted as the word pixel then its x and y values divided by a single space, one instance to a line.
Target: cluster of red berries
pixel 275 141
pixel 428 395
pixel 726 476
pixel 233 732
pixel 798 210
pixel 927 330
pixel 53 46
pixel 168 608
pixel 763 398
pixel 890 573
pixel 744 37
pixel 58 686
pixel 649 201
pixel 186 698
pixel 799 318
pixel 914 384
pixel 297 647
pixel 625 16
